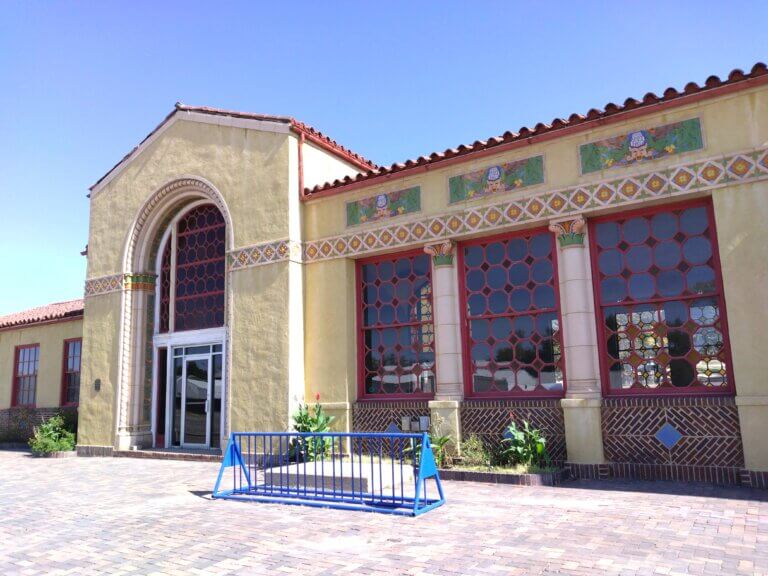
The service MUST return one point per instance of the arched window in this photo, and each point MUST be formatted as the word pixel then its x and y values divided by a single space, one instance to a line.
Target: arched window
pixel 192 271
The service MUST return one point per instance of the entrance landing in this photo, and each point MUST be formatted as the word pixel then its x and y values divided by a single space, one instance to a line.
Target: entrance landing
pixel 185 454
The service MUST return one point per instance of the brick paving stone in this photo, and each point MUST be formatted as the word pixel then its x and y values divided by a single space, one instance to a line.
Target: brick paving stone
pixel 126 516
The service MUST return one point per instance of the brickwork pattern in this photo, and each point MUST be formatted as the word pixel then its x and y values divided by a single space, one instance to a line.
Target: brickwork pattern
pixel 16 424
pixel 379 415
pixel 157 517
pixel 709 429
pixel 488 419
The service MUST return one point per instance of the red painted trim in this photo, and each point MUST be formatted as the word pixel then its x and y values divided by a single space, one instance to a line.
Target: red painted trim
pixel 14 377
pixel 361 394
pixel 469 393
pixel 553 134
pixel 65 357
pixel 728 390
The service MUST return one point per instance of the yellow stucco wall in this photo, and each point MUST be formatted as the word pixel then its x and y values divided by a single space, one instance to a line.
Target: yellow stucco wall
pixel 741 214
pixel 51 338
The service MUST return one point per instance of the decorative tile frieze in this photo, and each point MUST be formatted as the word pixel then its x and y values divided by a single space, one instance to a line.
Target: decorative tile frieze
pixel 266 253
pixel 103 285
pixel 641 146
pixel 498 178
pixel 384 206
pixel 668 182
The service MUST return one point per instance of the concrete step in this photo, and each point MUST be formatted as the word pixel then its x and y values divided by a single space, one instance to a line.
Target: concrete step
pixel 184 455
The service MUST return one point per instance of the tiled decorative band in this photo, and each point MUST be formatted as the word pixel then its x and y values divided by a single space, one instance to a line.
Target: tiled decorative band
pixel 104 285
pixel 266 253
pixel 488 419
pixel 674 181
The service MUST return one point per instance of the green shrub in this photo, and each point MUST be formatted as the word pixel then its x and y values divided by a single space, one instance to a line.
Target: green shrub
pixel 52 436
pixel 307 419
pixel 474 453
pixel 524 445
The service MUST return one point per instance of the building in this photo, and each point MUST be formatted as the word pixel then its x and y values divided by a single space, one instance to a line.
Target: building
pixel 602 276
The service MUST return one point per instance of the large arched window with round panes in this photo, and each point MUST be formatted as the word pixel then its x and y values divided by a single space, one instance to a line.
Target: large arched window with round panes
pixel 661 315
pixel 511 316
pixel 192 271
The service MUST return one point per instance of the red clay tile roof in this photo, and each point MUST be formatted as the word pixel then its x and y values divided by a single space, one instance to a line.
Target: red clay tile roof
pixel 56 311
pixel 558 124
pixel 310 133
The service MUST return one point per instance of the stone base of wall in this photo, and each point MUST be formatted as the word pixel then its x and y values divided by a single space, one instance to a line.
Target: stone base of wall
pixel 630 471
pixel 16 424
pixel 754 479
pixel 488 419
pixel 107 451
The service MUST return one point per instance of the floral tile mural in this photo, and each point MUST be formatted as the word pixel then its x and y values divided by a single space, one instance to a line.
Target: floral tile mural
pixel 498 178
pixel 384 206
pixel 641 146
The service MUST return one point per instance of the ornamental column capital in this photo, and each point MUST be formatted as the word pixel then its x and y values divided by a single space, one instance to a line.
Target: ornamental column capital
pixel 569 232
pixel 140 281
pixel 441 252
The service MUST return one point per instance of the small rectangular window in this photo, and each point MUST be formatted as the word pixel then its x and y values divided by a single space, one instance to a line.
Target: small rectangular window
pixel 25 375
pixel 71 372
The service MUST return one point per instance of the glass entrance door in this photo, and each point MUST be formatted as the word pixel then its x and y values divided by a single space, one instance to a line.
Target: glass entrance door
pixel 196 401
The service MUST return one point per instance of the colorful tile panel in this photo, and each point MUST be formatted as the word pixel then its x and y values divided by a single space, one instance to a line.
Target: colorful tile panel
pixel 498 178
pixel 103 285
pixel 384 206
pixel 267 253
pixel 641 146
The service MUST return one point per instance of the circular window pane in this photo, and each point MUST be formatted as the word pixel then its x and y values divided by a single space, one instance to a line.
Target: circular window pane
pixel 497 302
pixel 517 249
pixel 610 262
pixel 541 245
pixel 541 271
pixel 607 234
pixel 403 268
pixel 421 265
pixel 494 253
pixel 523 327
pixel 613 289
pixel 404 290
pixel 639 258
pixel 670 283
pixel 473 256
pixel 520 300
pixel 476 304
pixel 481 353
pixel 501 328
pixel 544 297
pixel 675 314
pixel 386 270
pixel 475 280
pixel 387 314
pixel 635 230
pixel 641 286
pixel 694 220
pixel 478 329
pixel 667 254
pixel 664 226
pixel 697 250
pixel 518 274
pixel 497 277
pixel 386 292
pixel 701 279
pixel 681 373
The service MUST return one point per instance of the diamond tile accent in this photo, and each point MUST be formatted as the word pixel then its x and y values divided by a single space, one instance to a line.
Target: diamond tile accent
pixel 668 435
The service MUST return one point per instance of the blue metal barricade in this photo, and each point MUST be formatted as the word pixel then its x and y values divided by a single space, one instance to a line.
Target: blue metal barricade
pixel 377 472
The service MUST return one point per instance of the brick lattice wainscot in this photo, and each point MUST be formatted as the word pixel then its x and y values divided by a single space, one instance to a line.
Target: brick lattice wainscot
pixel 378 415
pixel 16 423
pixel 488 419
pixel 692 439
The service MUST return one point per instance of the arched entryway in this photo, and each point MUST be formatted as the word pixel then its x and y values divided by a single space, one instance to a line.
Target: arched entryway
pixel 173 380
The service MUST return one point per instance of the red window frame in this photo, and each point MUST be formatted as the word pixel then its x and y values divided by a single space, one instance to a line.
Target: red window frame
pixel 464 319
pixel 65 372
pixel 361 371
pixel 729 389
pixel 16 376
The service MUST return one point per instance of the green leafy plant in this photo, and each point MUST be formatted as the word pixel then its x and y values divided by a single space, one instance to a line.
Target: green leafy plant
pixel 524 445
pixel 474 453
pixel 52 436
pixel 439 442
pixel 314 419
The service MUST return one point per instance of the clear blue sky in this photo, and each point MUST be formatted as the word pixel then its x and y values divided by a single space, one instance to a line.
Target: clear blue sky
pixel 81 83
